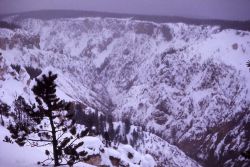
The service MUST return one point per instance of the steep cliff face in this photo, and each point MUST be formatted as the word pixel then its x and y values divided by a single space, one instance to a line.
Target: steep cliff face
pixel 187 84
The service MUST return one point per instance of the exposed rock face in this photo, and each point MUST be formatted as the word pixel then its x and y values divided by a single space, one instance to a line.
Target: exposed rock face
pixel 94 160
pixel 20 41
pixel 188 83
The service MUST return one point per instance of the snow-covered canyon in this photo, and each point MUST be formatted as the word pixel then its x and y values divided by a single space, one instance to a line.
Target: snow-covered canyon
pixel 186 85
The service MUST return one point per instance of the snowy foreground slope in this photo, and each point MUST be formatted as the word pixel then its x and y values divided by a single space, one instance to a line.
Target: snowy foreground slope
pixel 11 155
pixel 186 85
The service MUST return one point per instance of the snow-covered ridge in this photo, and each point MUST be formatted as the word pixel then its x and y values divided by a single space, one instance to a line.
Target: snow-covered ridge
pixel 186 82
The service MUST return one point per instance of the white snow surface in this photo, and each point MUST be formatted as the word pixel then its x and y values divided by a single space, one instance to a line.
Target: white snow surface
pixel 11 155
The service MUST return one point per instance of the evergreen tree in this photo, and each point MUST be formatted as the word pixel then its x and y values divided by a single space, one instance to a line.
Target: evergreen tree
pixel 49 123
pixel 19 107
pixel 4 111
pixel 248 64
pixel 102 124
pixel 111 131
pixel 107 139
pixel 117 135
pixel 127 125
pixel 89 122
pixel 96 123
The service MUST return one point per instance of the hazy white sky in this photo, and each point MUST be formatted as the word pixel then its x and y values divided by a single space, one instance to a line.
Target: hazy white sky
pixel 219 9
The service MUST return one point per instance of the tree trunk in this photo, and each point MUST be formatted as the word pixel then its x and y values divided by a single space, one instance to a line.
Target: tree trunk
pixel 54 141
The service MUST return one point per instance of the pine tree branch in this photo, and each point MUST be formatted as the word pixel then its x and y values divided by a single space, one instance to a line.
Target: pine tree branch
pixel 32 145
pixel 43 145
pixel 59 130
pixel 73 142
pixel 45 131
pixel 63 156
pixel 48 164
pixel 40 140
pixel 61 135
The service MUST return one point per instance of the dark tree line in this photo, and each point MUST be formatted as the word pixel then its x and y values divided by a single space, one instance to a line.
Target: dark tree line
pixel 33 72
pixel 103 125
pixel 97 123
pixel 12 26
